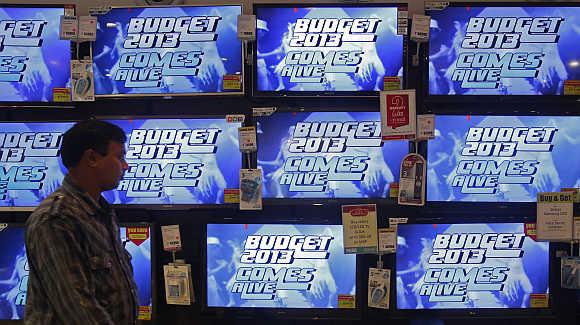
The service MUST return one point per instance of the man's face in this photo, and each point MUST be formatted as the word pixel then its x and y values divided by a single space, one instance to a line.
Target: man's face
pixel 111 167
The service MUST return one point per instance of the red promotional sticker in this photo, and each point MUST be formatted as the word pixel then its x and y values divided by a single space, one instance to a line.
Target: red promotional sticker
pixel 137 235
pixel 397 110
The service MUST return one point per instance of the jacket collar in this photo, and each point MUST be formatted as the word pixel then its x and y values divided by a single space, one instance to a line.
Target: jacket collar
pixel 87 203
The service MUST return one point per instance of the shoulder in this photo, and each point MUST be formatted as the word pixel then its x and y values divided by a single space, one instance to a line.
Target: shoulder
pixel 58 209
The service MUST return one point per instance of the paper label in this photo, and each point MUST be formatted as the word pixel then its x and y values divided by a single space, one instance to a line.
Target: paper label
pixel 87 28
pixel 171 238
pixel 232 82
pixel 235 118
pixel 346 301
pixel 539 300
pixel 263 111
pixel 575 191
pixel 436 5
pixel 394 190
pixel 530 230
pixel 398 117
pixel 570 267
pixel 402 22
pixel 137 235
pixel 247 139
pixel 250 189
pixel 576 228
pixel 145 313
pixel 178 285
pixel 360 228
pixel 396 221
pixel 61 95
pixel 69 27
pixel 232 195
pixel 388 240
pixel 420 28
pixel 391 83
pixel 425 127
pixel 247 27
pixel 572 87
pixel 554 220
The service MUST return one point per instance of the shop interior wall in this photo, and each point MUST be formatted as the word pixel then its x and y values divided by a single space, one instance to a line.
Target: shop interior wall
pixel 192 220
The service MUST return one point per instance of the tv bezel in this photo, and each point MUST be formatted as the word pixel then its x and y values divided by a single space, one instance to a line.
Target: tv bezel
pixel 321 94
pixel 278 313
pixel 225 93
pixel 528 101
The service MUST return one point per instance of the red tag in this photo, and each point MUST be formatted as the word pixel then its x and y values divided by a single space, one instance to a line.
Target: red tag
pixel 137 235
pixel 530 230
pixel 397 110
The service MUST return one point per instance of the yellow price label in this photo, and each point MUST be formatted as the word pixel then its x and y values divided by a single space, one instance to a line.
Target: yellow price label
pixel 346 301
pixel 391 83
pixel 231 195
pixel 571 87
pixel 61 95
pixel 394 190
pixel 144 313
pixel 232 82
pixel 539 300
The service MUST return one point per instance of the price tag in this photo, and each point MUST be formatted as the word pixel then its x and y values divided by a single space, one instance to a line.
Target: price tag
pixel 346 301
pixel 402 22
pixel 61 95
pixel 391 83
pixel 359 224
pixel 539 300
pixel 247 27
pixel 576 228
pixel 250 189
pixel 420 28
pixel 232 82
pixel 263 111
pixel 82 80
pixel 436 5
pixel 232 195
pixel 575 191
pixel 171 238
pixel 144 313
pixel 572 87
pixel 393 222
pixel 425 127
pixel 247 136
pixel 69 27
pixel 412 180
pixel 554 219
pixel 388 240
pixel 87 28
pixel 394 190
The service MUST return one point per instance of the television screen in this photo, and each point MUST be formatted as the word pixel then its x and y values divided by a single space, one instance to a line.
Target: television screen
pixel 327 48
pixel 30 166
pixel 167 50
pixel 13 272
pixel 178 161
pixel 502 158
pixel 33 60
pixel 327 155
pixel 14 268
pixel 487 49
pixel 137 241
pixel 462 266
pixel 277 266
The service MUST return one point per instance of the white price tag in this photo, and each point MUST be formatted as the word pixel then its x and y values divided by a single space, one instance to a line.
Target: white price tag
pixel 263 111
pixel 69 27
pixel 87 28
pixel 247 27
pixel 420 28
pixel 402 22
pixel 171 238
pixel 388 240
pixel 235 118
pixel 395 221
pixel 425 127
pixel 247 136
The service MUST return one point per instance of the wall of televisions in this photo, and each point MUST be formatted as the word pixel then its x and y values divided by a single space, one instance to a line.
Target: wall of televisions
pixel 501 78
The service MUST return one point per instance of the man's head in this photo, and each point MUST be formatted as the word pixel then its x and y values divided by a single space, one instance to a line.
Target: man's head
pixel 95 150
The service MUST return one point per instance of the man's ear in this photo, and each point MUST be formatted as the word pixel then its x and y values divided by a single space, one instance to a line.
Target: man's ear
pixel 92 157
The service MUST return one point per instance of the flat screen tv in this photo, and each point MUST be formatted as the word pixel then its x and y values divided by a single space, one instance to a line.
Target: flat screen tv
pixel 502 158
pixel 277 266
pixel 515 49
pixel 469 266
pixel 33 59
pixel 165 51
pixel 327 155
pixel 178 161
pixel 326 49
pixel 14 268
pixel 30 165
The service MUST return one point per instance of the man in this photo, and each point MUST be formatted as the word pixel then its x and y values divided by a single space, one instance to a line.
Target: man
pixel 79 271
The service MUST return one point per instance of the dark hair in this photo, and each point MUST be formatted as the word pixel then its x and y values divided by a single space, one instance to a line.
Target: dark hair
pixel 85 135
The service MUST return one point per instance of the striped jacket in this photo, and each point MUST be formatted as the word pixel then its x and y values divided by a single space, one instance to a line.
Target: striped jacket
pixel 79 271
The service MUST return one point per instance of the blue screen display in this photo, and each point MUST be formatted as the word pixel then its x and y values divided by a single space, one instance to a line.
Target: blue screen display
pixel 30 166
pixel 33 60
pixel 502 158
pixel 14 268
pixel 171 161
pixel 481 50
pixel 166 50
pixel 327 155
pixel 277 266
pixel 178 161
pixel 455 266
pixel 327 48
